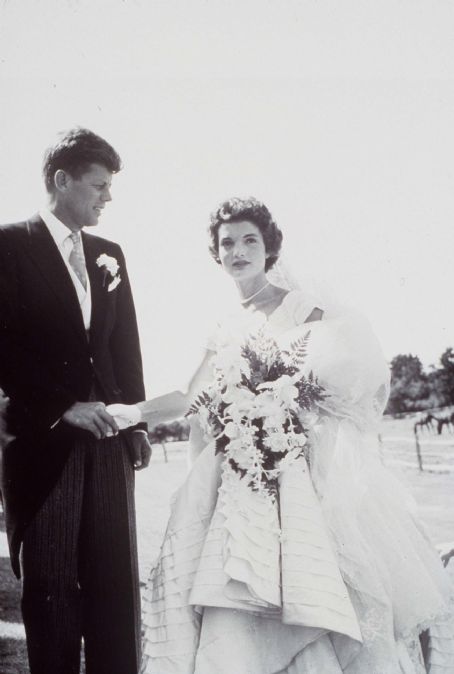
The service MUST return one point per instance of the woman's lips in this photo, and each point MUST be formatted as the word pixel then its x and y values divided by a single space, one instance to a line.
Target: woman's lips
pixel 240 264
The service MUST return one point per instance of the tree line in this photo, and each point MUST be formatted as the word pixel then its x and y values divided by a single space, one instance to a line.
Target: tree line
pixel 413 389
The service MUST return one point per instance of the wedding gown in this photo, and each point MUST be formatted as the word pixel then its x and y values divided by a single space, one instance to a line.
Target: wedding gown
pixel 341 579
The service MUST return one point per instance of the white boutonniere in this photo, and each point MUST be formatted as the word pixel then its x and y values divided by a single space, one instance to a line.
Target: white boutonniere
pixel 110 267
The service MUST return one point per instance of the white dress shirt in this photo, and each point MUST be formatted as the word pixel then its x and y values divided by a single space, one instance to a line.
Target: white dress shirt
pixel 62 237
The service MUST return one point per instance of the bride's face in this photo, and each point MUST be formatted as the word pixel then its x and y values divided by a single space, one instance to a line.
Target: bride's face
pixel 241 249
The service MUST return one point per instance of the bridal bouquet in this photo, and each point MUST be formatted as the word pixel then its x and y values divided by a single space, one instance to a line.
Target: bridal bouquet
pixel 255 409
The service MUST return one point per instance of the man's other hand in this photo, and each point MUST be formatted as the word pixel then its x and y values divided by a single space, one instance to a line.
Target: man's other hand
pixel 91 417
pixel 141 449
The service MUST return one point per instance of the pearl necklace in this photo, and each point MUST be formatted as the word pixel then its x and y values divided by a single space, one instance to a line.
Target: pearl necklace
pixel 251 297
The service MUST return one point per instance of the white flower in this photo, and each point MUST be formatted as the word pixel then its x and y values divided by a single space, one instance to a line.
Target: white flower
pixel 229 362
pixel 291 456
pixel 243 453
pixel 240 398
pixel 110 263
pixel 111 266
pixel 268 407
pixel 276 442
pixel 283 389
pixel 231 430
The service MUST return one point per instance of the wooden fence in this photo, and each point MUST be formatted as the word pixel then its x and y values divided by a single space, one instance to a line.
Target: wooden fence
pixel 429 453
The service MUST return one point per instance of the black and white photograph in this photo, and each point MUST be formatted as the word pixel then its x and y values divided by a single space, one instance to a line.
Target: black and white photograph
pixel 226 337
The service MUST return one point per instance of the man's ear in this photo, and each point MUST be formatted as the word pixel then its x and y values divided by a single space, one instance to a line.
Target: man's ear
pixel 61 179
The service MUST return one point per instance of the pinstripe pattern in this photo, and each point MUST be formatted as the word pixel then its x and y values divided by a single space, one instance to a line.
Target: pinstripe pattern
pixel 80 570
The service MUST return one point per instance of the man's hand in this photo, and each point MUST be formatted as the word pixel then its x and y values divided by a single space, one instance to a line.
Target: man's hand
pixel 91 417
pixel 141 450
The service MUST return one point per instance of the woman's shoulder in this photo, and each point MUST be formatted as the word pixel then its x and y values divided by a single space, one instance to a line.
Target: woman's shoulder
pixel 302 307
pixel 307 307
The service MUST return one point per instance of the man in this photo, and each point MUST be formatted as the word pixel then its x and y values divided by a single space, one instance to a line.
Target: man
pixel 68 346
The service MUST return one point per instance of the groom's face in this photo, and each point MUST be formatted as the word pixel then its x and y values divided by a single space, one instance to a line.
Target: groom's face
pixel 85 197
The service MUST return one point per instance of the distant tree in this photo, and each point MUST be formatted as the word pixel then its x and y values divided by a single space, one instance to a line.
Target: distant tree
pixel 409 387
pixel 170 432
pixel 406 367
pixel 446 376
pixel 437 396
pixel 158 434
pixel 412 389
pixel 178 430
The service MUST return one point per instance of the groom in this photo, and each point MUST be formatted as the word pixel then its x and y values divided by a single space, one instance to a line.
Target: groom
pixel 69 345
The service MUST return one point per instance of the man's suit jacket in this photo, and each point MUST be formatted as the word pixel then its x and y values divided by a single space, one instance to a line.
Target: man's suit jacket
pixel 47 361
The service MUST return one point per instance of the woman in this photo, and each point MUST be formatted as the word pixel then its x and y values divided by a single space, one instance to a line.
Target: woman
pixel 314 564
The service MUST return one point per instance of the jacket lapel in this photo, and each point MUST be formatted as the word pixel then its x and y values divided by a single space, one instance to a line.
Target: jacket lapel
pixel 47 257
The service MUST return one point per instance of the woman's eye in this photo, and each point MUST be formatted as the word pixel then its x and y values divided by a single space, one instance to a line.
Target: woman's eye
pixel 251 240
pixel 226 244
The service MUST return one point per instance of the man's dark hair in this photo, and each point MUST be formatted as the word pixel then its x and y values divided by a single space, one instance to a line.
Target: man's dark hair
pixel 75 151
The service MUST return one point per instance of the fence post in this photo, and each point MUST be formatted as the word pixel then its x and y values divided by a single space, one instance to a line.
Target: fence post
pixel 164 449
pixel 418 449
pixel 380 448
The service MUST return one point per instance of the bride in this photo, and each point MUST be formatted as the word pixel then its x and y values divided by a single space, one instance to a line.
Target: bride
pixel 314 564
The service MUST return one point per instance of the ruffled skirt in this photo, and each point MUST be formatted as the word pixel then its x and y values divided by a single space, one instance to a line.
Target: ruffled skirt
pixel 245 586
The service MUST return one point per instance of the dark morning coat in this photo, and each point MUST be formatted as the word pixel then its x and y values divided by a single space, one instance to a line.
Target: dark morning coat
pixel 47 362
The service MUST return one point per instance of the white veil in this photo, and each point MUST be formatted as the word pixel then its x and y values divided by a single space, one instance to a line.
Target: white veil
pixel 316 290
pixel 383 553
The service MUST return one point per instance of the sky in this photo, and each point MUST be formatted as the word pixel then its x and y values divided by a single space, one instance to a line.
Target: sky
pixel 338 115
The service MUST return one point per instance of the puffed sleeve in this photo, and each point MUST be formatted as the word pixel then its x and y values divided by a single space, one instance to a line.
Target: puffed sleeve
pixel 300 306
pixel 350 364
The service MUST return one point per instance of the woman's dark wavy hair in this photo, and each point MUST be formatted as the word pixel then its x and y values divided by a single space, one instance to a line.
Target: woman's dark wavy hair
pixel 75 151
pixel 252 210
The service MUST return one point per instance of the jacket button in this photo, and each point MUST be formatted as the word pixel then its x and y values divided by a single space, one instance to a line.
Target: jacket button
pixel 91 360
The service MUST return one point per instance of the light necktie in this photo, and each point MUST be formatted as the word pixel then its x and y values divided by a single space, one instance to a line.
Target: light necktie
pixel 77 259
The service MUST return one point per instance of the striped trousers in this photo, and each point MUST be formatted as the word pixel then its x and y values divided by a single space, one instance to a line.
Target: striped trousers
pixel 80 569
